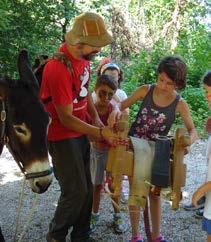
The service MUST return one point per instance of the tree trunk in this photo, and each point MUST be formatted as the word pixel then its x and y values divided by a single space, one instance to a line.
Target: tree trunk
pixel 172 28
pixel 123 41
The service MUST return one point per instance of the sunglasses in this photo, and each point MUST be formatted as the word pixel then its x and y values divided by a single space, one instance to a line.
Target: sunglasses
pixel 108 95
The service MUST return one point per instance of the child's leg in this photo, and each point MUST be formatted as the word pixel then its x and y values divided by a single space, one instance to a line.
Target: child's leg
pixel 97 167
pixel 96 198
pixel 118 220
pixel 134 215
pixel 155 210
pixel 134 219
pixel 209 238
pixel 95 207
pixel 115 199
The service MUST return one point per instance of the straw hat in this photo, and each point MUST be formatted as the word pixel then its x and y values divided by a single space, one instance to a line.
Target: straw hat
pixel 89 28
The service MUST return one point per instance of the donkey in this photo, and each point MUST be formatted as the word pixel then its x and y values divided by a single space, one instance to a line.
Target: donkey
pixel 24 124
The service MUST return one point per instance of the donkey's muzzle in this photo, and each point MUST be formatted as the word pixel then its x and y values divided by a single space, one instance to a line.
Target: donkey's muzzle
pixel 41 187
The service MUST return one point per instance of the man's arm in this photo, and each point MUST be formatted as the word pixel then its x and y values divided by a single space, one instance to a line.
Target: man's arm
pixel 70 121
pixel 61 92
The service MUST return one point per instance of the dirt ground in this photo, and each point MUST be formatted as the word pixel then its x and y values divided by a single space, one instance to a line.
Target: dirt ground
pixel 177 226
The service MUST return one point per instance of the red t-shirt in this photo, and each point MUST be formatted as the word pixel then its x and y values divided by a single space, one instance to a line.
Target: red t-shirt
pixel 65 89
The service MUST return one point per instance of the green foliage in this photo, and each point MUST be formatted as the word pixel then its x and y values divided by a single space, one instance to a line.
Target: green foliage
pixel 142 68
pixel 198 107
pixel 133 111
pixel 37 25
pixel 195 48
pixel 40 25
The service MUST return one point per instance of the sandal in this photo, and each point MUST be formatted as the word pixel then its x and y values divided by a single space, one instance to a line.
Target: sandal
pixel 137 238
pixel 160 239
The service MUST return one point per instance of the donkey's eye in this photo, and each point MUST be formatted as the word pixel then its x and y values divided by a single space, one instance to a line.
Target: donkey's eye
pixel 22 132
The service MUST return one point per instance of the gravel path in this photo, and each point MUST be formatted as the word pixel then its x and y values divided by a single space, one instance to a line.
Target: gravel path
pixel 179 226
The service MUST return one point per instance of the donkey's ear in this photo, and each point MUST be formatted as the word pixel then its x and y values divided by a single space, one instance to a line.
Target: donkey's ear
pixel 25 70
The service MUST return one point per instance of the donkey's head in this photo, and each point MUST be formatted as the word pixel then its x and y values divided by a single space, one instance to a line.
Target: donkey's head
pixel 26 125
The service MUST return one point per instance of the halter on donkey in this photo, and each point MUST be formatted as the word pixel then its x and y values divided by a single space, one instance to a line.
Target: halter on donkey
pixel 23 125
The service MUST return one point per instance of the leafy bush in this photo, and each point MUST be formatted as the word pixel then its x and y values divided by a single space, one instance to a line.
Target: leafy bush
pixel 198 107
pixel 142 67
pixel 196 52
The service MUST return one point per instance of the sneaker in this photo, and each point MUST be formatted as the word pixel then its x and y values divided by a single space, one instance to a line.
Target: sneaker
pixel 191 207
pixel 199 213
pixel 136 239
pixel 93 222
pixel 159 239
pixel 119 223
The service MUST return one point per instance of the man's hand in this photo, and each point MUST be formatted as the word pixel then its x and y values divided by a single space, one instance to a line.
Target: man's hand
pixel 112 138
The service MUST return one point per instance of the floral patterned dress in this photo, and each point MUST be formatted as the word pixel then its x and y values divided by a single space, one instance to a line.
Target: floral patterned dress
pixel 153 120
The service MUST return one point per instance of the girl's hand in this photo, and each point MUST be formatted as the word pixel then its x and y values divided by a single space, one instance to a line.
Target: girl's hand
pixel 198 194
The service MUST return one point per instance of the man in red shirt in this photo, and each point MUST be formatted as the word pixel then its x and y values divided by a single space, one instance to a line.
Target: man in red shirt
pixel 68 103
